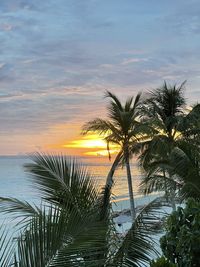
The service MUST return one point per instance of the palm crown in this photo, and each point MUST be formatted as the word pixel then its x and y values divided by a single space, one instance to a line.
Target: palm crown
pixel 121 128
pixel 164 111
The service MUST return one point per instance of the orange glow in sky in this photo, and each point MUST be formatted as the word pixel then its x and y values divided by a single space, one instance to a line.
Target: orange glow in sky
pixel 92 146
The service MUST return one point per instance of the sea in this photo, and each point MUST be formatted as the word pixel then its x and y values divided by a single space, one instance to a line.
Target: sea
pixel 15 183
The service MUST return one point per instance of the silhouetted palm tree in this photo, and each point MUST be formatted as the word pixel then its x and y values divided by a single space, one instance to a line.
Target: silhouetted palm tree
pixel 164 111
pixel 121 128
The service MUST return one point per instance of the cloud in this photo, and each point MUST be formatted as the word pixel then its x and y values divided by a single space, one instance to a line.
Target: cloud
pixel 133 60
pixel 184 20
pixel 58 57
pixel 39 112
pixel 6 27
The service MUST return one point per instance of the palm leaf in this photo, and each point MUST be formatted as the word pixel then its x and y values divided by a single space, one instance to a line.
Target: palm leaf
pixel 7 246
pixel 138 247
pixel 57 177
pixel 65 233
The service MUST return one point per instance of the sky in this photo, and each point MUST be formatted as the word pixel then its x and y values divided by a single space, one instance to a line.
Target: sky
pixel 58 57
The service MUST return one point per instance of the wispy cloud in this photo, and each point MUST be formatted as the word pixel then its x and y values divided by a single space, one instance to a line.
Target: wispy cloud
pixel 58 58
pixel 133 60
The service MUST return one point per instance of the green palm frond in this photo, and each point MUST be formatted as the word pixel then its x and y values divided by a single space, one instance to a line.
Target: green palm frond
pixel 74 230
pixel 43 237
pixel 97 125
pixel 182 171
pixel 64 233
pixel 165 104
pixel 157 182
pixel 138 246
pixel 114 98
pixel 169 99
pixel 102 127
pixel 115 109
pixel 185 162
pixel 128 104
pixel 136 104
pixel 23 211
pixel 61 237
pixel 7 246
pixel 57 177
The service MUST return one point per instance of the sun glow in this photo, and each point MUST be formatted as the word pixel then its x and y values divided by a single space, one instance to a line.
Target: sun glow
pixel 93 146
pixel 86 144
pixel 100 153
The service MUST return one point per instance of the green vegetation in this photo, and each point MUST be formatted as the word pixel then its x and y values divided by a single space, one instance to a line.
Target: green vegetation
pixel 170 158
pixel 181 242
pixel 162 262
pixel 73 225
pixel 122 128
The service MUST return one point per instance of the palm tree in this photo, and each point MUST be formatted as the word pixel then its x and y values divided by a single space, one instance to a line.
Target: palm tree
pixel 164 111
pixel 122 129
pixel 73 225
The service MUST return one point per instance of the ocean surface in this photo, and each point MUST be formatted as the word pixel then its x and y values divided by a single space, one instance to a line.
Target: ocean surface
pixel 14 182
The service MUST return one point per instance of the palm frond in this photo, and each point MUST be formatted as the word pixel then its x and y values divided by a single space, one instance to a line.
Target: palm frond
pixel 23 211
pixel 60 179
pixel 97 125
pixel 19 207
pixel 128 104
pixel 157 182
pixel 7 246
pixel 185 164
pixel 115 99
pixel 137 102
pixel 138 246
pixel 74 232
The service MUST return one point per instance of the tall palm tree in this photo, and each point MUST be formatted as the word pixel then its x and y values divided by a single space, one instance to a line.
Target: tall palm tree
pixel 164 111
pixel 72 226
pixel 121 128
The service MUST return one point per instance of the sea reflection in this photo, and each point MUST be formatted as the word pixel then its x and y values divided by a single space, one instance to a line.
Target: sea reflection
pixel 15 182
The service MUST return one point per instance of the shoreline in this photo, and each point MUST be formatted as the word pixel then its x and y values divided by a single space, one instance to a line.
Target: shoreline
pixel 140 201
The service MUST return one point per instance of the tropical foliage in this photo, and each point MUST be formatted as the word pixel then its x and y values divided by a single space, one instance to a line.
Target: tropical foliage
pixel 181 242
pixel 162 262
pixel 73 225
pixel 170 157
pixel 123 129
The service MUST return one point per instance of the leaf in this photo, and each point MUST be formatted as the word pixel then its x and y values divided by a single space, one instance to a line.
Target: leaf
pixel 138 246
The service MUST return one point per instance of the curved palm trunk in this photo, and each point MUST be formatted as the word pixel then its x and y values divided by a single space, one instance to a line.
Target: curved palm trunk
pixel 172 198
pixel 109 180
pixel 130 188
pixel 166 191
pixel 173 201
pixel 106 192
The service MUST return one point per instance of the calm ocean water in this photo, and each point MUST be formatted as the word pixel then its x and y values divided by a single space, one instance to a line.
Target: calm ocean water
pixel 14 182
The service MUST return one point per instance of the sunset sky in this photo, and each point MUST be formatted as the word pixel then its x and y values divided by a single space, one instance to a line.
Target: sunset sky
pixel 57 58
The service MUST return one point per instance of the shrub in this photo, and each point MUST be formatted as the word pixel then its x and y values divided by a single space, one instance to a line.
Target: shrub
pixel 181 243
pixel 162 262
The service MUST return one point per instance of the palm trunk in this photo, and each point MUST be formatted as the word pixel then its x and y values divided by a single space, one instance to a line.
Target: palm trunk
pixel 166 192
pixel 106 193
pixel 130 188
pixel 109 180
pixel 172 196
